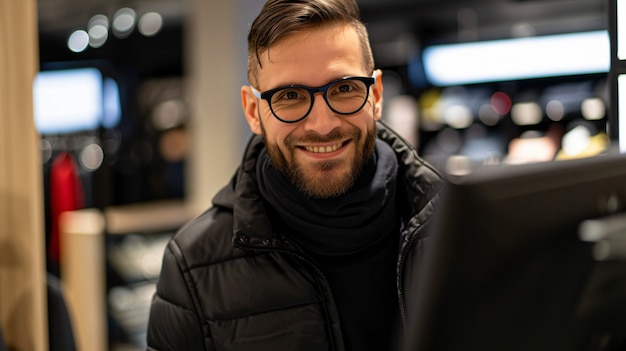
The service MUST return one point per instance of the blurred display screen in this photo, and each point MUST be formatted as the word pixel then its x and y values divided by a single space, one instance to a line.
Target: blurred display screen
pixel 621 110
pixel 68 101
pixel 112 105
pixel 519 58
pixel 621 31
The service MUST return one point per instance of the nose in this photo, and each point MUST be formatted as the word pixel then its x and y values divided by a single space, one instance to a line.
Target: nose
pixel 321 119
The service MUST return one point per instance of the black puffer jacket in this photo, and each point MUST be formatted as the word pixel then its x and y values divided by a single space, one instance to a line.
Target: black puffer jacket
pixel 229 283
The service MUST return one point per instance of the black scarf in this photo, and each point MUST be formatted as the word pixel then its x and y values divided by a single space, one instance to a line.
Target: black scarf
pixel 341 225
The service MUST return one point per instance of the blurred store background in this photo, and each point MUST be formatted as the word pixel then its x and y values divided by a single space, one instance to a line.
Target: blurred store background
pixel 468 83
pixel 135 141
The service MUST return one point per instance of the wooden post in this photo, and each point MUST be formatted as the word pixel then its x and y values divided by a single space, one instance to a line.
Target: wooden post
pixel 23 316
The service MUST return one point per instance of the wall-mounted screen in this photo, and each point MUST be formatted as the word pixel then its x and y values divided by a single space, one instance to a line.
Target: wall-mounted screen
pixel 112 112
pixel 68 101
pixel 621 31
pixel 621 109
pixel 518 58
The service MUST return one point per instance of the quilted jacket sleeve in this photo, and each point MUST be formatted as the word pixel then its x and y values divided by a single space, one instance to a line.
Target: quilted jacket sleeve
pixel 174 323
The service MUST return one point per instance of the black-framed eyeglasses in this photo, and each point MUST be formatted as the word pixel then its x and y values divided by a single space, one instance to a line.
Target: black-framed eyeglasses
pixel 292 103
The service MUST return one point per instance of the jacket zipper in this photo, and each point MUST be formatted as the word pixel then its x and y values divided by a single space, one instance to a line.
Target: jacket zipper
pixel 399 277
pixel 400 282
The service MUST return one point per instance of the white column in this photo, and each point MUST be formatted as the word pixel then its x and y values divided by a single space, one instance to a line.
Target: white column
pixel 215 69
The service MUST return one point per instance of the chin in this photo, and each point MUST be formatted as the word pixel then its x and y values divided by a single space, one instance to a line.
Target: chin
pixel 326 183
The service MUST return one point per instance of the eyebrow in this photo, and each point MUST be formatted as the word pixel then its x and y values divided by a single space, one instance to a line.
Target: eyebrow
pixel 316 86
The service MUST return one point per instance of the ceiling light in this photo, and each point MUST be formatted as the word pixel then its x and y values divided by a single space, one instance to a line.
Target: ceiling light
pixel 123 22
pixel 78 41
pixel 98 30
pixel 150 23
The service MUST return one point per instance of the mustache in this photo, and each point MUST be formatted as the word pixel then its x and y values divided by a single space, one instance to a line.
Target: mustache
pixel 333 136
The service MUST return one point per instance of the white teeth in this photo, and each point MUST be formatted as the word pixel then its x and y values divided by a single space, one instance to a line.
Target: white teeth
pixel 321 150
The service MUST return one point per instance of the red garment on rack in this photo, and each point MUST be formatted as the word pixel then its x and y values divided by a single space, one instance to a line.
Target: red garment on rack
pixel 66 194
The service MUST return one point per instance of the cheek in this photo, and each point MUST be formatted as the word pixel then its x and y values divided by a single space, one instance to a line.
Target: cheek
pixel 279 138
pixel 275 131
pixel 372 109
pixel 367 120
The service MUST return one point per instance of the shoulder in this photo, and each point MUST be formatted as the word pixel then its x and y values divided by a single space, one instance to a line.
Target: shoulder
pixel 205 240
pixel 412 166
pixel 193 252
pixel 420 181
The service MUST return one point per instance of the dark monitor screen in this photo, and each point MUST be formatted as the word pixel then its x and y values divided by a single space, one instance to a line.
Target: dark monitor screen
pixel 507 269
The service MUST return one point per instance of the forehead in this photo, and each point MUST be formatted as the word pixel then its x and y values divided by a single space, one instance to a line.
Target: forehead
pixel 312 57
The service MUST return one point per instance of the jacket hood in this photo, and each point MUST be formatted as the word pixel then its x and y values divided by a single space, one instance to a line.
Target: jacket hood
pixel 418 180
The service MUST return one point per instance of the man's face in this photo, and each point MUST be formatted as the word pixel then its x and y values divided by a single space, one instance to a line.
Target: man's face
pixel 323 153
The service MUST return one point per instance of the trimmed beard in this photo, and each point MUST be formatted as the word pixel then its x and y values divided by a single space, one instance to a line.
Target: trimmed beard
pixel 323 187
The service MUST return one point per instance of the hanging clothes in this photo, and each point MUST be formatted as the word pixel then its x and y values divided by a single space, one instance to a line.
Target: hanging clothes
pixel 66 194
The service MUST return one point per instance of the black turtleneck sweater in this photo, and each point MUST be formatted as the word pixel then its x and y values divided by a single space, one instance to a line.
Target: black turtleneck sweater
pixel 364 288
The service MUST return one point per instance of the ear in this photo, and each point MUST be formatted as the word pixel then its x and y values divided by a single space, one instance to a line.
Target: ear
pixel 250 105
pixel 377 91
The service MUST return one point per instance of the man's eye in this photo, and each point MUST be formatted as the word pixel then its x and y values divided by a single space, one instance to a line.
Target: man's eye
pixel 344 88
pixel 291 95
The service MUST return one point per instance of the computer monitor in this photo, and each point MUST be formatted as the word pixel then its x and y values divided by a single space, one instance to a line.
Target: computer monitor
pixel 506 268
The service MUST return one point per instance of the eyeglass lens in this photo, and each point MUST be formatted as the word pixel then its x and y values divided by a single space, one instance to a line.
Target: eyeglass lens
pixel 345 97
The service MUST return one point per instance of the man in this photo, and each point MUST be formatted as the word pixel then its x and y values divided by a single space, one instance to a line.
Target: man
pixel 312 244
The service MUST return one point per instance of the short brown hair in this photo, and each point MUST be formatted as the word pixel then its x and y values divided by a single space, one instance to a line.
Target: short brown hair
pixel 279 19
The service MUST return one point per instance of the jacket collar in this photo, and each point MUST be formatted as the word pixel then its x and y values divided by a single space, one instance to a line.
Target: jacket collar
pixel 419 180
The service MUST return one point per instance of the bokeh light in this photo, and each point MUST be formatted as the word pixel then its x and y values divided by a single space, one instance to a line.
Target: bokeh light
pixel 501 103
pixel 98 30
pixel 555 110
pixel 526 113
pixel 78 41
pixel 150 23
pixel 593 109
pixel 124 22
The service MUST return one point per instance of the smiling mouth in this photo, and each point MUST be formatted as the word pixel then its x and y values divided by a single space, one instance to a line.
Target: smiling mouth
pixel 323 149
